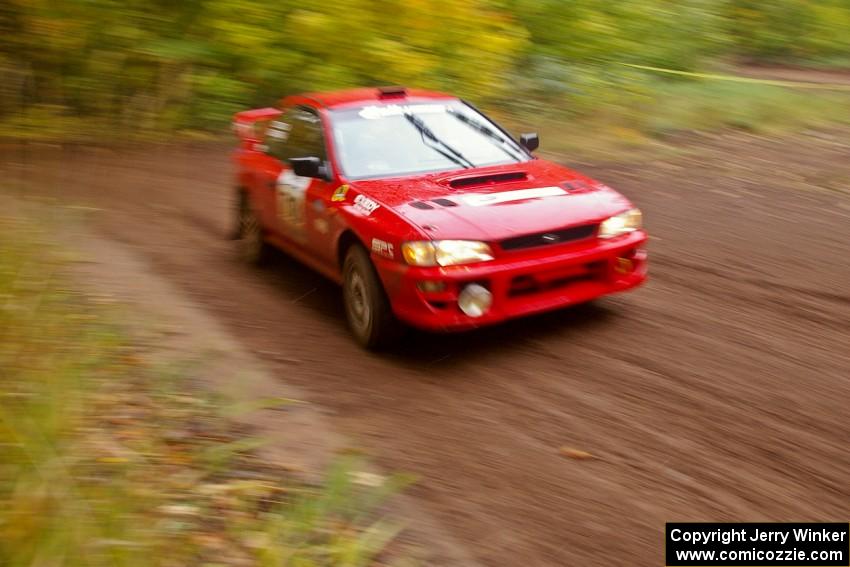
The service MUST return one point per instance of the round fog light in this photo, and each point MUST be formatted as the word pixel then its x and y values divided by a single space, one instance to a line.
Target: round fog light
pixel 475 300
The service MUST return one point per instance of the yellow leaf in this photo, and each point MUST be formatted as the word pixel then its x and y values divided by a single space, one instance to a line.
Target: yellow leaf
pixel 573 453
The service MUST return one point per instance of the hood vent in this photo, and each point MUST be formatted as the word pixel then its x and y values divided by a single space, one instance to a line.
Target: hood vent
pixel 464 182
pixel 421 205
pixel 576 186
pixel 444 202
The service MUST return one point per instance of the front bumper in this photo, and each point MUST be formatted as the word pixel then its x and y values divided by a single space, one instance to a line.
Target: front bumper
pixel 541 280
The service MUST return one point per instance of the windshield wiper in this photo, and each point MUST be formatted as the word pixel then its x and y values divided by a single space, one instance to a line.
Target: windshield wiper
pixel 446 150
pixel 504 145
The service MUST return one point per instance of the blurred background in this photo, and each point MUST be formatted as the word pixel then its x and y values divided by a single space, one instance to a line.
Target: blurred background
pixel 148 68
pixel 163 404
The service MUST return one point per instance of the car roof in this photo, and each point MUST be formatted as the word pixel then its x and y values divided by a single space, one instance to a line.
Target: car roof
pixel 361 96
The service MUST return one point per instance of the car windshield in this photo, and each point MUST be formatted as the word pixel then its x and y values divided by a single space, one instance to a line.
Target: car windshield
pixel 390 140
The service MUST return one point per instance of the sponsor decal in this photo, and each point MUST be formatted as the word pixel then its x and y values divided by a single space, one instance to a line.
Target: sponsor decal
pixel 508 196
pixel 365 205
pixel 279 130
pixel 339 193
pixel 382 248
pixel 374 112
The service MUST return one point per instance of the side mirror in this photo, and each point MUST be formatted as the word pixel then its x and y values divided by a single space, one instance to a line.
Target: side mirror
pixel 309 167
pixel 529 141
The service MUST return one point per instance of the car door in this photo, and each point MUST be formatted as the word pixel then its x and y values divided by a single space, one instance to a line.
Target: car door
pixel 300 203
pixel 269 165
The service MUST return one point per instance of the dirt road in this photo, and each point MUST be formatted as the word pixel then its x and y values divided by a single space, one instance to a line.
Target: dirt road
pixel 717 392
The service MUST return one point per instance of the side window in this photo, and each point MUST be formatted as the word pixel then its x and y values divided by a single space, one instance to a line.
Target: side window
pixel 306 137
pixel 298 133
pixel 277 136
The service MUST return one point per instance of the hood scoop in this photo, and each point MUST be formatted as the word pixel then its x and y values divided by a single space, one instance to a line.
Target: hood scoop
pixel 425 206
pixel 445 202
pixel 484 180
pixel 576 186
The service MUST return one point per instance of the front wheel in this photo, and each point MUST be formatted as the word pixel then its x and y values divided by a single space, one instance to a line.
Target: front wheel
pixel 367 308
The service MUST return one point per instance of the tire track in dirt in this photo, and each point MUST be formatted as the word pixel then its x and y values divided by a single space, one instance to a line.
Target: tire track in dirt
pixel 717 392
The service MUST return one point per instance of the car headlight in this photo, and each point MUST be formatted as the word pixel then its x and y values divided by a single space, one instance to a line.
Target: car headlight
pixel 623 223
pixel 446 252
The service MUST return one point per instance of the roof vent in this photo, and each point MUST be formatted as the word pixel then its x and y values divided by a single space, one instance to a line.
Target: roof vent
pixel 392 92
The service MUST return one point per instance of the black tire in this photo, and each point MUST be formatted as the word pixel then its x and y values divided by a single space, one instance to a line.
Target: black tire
pixel 250 236
pixel 370 317
pixel 235 232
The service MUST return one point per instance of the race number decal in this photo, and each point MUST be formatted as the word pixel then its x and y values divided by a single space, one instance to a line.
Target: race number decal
pixel 290 201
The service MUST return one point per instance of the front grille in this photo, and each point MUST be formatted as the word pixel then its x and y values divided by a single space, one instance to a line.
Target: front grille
pixel 530 284
pixel 550 237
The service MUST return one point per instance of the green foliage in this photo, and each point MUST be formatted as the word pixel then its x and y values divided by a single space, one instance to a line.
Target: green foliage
pixel 128 68
pixel 798 30
pixel 162 65
pixel 654 32
pixel 640 125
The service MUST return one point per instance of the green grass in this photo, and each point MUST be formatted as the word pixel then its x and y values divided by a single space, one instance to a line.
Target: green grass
pixel 752 107
pixel 109 460
pixel 640 117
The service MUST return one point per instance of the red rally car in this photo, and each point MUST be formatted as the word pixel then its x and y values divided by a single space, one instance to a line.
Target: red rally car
pixel 427 212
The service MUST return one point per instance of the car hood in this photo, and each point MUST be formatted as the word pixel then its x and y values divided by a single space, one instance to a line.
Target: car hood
pixel 495 203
